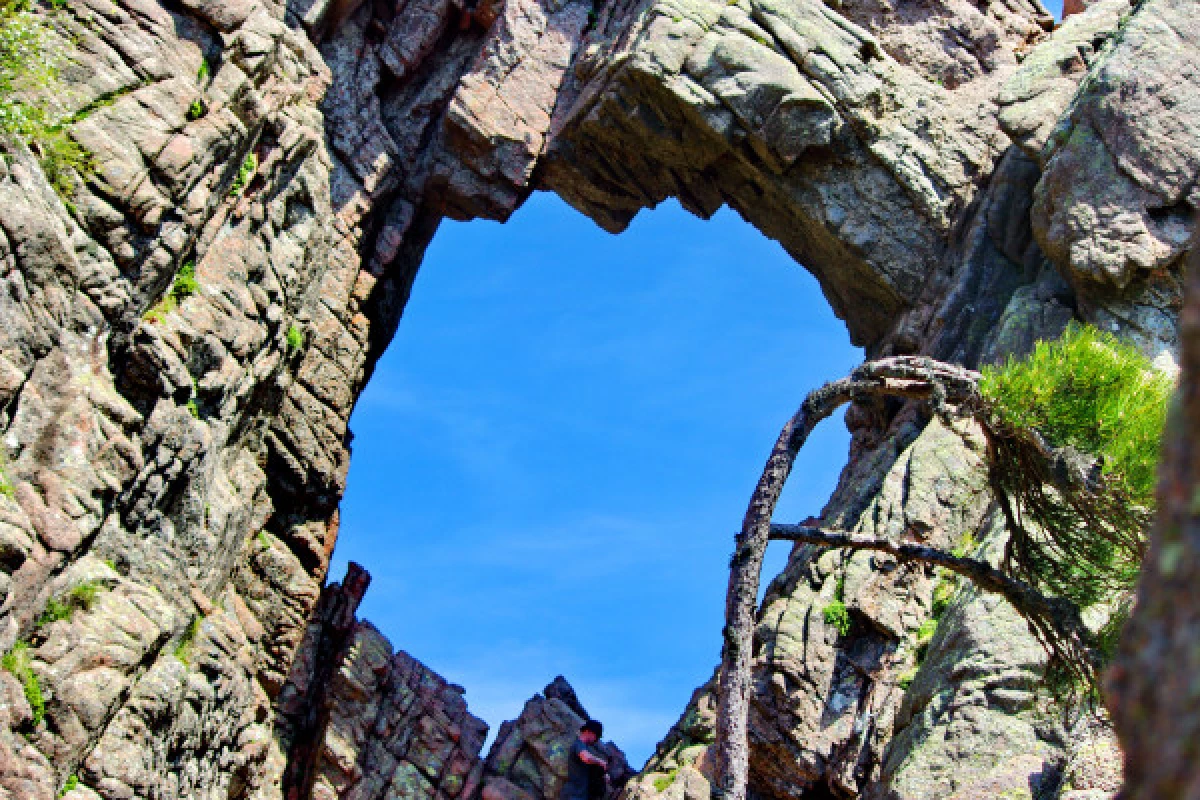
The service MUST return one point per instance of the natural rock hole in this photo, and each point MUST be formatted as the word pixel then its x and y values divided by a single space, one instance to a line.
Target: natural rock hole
pixel 552 456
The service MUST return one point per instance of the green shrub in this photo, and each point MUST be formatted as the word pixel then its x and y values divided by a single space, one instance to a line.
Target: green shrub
pixel 185 284
pixel 19 662
pixel 836 615
pixel 244 174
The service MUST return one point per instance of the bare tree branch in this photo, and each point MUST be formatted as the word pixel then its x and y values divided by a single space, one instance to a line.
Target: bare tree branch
pixel 1058 612
pixel 906 376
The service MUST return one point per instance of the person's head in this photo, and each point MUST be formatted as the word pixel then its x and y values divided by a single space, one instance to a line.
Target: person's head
pixel 591 731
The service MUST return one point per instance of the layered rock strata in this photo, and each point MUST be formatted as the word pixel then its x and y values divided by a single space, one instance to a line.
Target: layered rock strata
pixel 961 179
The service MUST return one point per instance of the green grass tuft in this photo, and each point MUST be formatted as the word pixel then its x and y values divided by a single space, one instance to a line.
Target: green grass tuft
pixel 943 593
pixel 836 615
pixel 83 595
pixel 663 781
pixel 195 110
pixel 245 172
pixel 204 71
pixel 80 597
pixel 158 312
pixel 71 784
pixel 295 338
pixel 63 160
pixel 19 662
pixel 56 610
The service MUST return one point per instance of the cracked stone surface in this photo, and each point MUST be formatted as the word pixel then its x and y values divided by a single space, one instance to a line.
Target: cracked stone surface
pixel 960 179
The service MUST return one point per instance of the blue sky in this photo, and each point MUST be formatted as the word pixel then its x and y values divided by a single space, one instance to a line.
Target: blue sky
pixel 554 453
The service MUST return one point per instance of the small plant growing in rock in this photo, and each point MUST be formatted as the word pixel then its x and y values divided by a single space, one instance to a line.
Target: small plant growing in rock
pixel 295 338
pixel 183 650
pixel 943 593
pixel 185 284
pixel 204 71
pixel 158 312
pixel 835 613
pixel 56 610
pixel 29 70
pixel 193 408
pixel 244 174
pixel 80 597
pixel 6 486
pixel 83 595
pixel 19 662
pixel 837 616
pixel 925 635
pixel 71 784
pixel 195 110
pixel 663 781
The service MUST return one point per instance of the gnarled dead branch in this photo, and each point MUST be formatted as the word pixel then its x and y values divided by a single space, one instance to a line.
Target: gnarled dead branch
pixel 1054 620
pixel 910 377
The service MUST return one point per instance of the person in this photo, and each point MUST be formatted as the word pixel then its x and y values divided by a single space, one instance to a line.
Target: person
pixel 583 764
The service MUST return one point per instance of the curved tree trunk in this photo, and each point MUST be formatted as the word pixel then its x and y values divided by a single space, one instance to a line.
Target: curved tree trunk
pixel 912 377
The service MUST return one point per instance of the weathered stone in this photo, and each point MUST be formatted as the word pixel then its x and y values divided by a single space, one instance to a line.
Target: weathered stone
pixel 960 182
pixel 1118 195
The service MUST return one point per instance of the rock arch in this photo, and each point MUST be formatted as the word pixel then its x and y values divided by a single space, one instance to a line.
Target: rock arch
pixel 188 455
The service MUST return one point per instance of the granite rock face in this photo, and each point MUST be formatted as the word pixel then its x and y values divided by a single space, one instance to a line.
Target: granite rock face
pixel 960 179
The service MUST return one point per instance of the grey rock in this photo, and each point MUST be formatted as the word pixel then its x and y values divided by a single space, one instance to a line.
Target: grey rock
pixel 961 181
